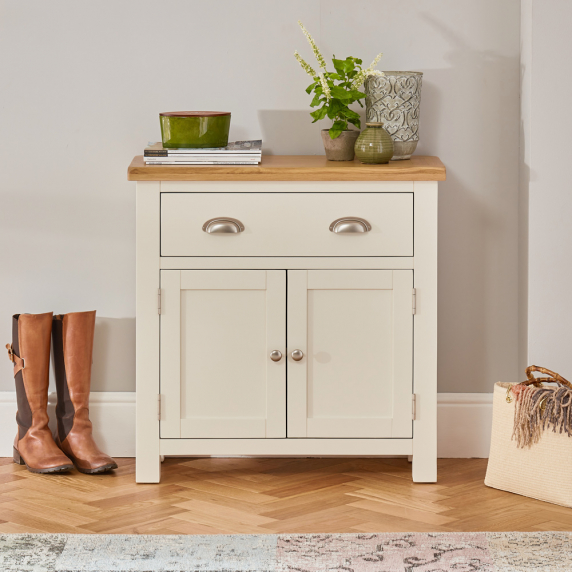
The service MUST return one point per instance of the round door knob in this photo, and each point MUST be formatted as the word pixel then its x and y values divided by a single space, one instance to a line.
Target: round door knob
pixel 297 355
pixel 275 355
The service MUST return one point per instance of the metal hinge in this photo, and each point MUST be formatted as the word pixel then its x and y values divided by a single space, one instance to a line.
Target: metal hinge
pixel 414 307
pixel 159 407
pixel 159 300
pixel 413 407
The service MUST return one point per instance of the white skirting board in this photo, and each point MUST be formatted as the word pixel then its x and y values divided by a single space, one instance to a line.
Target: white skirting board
pixel 112 415
pixel 464 423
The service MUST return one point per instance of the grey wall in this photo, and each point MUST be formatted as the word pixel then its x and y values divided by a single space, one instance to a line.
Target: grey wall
pixel 547 170
pixel 83 83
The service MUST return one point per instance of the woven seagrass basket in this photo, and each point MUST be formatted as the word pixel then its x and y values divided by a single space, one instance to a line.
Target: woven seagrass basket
pixel 542 468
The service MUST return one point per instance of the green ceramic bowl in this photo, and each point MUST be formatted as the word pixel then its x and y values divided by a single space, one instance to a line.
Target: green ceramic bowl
pixel 194 129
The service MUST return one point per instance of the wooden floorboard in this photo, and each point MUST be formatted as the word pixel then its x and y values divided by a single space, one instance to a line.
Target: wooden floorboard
pixel 262 496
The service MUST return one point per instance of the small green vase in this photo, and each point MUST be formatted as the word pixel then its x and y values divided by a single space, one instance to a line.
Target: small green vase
pixel 374 145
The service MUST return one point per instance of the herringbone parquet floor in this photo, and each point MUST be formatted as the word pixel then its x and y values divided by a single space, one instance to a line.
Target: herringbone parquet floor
pixel 243 495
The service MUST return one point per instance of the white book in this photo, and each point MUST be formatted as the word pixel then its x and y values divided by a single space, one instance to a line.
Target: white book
pixel 236 147
pixel 253 163
pixel 205 157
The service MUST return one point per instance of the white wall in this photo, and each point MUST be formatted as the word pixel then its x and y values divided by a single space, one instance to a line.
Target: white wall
pixel 547 164
pixel 83 83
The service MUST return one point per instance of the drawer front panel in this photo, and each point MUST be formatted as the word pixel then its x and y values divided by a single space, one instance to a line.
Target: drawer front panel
pixel 286 224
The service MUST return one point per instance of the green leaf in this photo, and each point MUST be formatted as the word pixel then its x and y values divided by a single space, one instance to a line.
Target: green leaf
pixel 356 122
pixel 358 61
pixel 319 113
pixel 356 94
pixel 316 101
pixel 311 87
pixel 351 62
pixel 334 133
pixel 343 66
pixel 340 93
pixel 334 108
pixel 337 128
pixel 350 114
pixel 331 75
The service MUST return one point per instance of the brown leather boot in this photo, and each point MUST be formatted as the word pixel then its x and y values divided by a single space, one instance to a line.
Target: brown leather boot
pixel 72 336
pixel 34 445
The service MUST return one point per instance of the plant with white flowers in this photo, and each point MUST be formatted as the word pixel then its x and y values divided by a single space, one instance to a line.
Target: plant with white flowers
pixel 333 99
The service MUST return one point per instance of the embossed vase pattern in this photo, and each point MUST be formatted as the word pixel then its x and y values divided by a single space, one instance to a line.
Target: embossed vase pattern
pixel 395 99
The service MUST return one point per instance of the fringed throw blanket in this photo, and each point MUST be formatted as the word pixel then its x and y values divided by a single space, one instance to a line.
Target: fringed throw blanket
pixel 538 409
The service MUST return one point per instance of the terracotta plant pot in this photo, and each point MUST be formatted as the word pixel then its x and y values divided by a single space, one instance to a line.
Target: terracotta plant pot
pixel 341 148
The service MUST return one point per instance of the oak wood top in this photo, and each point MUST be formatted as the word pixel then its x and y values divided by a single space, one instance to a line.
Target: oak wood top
pixel 293 168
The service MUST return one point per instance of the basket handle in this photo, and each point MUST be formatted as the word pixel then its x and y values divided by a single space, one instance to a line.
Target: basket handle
pixel 553 377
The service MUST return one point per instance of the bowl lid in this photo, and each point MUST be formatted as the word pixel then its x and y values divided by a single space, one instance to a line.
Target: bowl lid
pixel 193 113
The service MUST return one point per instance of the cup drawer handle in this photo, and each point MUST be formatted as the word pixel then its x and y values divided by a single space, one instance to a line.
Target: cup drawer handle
pixel 349 224
pixel 223 225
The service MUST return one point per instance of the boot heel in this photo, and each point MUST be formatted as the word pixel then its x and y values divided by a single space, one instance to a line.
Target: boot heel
pixel 17 458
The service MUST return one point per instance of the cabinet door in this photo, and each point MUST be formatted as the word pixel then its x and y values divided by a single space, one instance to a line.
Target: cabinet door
pixel 355 329
pixel 218 328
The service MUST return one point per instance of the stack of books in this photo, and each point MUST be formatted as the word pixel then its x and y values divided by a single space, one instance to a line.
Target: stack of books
pixel 237 153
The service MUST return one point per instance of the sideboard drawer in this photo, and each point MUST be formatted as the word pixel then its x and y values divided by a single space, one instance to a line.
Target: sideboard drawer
pixel 287 224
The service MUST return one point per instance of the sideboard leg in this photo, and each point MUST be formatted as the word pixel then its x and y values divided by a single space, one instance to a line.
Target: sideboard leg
pixel 425 471
pixel 148 468
pixel 148 463
pixel 424 466
pixel 147 442
pixel 425 334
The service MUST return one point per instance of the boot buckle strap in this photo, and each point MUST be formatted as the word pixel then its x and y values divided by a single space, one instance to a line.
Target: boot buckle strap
pixel 17 361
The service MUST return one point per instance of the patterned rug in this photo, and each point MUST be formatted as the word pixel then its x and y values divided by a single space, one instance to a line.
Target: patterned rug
pixel 388 552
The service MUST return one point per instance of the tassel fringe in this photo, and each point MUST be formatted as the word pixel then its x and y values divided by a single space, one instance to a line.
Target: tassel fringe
pixel 537 409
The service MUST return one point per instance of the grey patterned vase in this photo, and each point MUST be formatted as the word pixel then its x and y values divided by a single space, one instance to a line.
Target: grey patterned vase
pixel 394 99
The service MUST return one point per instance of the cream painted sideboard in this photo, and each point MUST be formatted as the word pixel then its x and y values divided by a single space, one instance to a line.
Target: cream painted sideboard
pixel 287 309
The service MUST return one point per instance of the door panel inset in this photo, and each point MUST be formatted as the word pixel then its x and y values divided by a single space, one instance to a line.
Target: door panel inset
pixel 220 327
pixel 355 329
